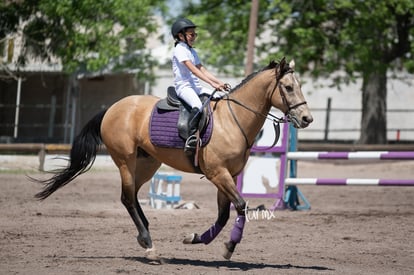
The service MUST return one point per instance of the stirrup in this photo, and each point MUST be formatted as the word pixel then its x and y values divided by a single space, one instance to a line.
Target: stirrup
pixel 191 144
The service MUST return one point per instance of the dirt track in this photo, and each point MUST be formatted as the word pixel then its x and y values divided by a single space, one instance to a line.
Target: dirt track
pixel 84 229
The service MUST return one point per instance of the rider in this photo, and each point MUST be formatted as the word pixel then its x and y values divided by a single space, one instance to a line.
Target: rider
pixel 188 71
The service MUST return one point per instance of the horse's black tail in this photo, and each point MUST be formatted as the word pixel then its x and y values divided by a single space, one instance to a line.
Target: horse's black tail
pixel 82 156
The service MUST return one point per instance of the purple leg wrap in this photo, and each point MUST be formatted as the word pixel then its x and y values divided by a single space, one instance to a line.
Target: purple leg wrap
pixel 211 233
pixel 237 231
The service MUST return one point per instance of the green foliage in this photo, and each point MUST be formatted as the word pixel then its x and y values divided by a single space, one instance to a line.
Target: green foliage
pixel 84 34
pixel 324 36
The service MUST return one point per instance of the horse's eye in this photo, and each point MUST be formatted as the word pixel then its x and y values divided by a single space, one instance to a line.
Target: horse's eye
pixel 289 88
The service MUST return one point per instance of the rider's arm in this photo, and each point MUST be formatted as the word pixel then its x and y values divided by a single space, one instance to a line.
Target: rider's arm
pixel 209 75
pixel 201 75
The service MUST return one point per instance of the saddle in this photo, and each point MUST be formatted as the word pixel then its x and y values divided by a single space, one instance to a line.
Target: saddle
pixel 173 103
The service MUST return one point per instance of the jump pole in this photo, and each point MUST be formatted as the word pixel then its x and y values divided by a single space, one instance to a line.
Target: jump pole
pixel 355 182
pixel 358 155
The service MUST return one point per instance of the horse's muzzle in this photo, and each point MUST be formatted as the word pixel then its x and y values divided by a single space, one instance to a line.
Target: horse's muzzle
pixel 303 122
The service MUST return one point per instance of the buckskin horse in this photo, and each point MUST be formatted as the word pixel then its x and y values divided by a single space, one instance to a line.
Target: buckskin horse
pixel 124 128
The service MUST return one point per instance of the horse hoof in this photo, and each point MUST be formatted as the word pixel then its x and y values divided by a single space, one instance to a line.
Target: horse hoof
pixel 151 254
pixel 141 242
pixel 192 239
pixel 227 251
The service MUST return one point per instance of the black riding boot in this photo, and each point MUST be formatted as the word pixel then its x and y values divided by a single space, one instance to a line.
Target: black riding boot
pixel 191 142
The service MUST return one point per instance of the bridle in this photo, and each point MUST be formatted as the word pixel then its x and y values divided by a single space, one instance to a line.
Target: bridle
pixel 275 120
pixel 282 93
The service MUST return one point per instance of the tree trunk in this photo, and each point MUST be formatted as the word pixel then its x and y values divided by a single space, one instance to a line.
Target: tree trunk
pixel 374 107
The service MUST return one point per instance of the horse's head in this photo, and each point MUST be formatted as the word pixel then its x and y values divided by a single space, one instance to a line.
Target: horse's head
pixel 287 96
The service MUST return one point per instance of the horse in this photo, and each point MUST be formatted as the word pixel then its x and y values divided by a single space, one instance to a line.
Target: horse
pixel 238 117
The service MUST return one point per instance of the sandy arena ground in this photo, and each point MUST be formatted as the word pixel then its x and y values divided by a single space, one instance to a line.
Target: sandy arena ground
pixel 84 229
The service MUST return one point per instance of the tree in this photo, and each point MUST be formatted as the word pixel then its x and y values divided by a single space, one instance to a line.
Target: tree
pixel 341 39
pixel 83 34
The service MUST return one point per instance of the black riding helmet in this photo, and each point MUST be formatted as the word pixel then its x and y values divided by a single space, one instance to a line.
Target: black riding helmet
pixel 180 26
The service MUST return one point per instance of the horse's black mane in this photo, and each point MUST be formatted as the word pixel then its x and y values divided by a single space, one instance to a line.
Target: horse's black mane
pixel 272 65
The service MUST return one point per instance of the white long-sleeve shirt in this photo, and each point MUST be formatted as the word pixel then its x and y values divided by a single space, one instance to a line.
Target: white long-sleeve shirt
pixel 183 77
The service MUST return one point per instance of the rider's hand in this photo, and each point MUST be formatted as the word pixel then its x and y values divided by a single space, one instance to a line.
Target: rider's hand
pixel 222 90
pixel 218 86
pixel 225 87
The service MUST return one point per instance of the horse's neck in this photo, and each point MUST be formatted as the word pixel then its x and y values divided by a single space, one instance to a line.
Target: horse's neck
pixel 254 96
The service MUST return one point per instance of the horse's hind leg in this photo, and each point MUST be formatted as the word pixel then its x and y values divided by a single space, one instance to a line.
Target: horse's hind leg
pixel 131 182
pixel 145 168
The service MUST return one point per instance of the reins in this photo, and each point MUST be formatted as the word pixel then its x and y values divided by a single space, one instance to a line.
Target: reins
pixel 275 120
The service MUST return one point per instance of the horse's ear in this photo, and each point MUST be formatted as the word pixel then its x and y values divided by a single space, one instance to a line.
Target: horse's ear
pixel 279 68
pixel 282 62
pixel 292 64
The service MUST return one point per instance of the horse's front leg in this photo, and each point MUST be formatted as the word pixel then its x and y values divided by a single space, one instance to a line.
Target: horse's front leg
pixel 227 193
pixel 236 233
pixel 223 216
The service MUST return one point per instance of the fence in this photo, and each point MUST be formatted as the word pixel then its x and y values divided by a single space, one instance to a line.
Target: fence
pixel 344 124
pixel 326 131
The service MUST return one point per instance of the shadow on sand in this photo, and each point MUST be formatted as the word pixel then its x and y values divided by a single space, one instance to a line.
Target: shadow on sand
pixel 233 265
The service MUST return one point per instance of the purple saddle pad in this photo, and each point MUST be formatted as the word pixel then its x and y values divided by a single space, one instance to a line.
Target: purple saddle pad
pixel 164 132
